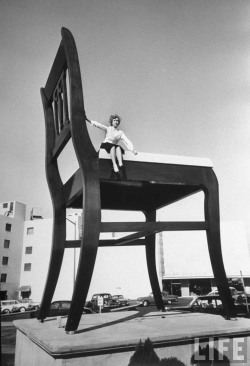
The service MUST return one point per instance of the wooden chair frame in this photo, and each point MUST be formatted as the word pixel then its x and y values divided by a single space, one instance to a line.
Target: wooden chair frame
pixel 149 187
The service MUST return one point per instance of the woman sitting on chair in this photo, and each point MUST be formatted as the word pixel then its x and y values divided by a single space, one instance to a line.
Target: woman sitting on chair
pixel 110 144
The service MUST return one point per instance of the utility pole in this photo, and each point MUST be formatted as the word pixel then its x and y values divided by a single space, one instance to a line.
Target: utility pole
pixel 74 258
pixel 161 264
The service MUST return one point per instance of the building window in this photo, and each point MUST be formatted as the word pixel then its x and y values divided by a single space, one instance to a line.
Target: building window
pixel 173 287
pixel 27 266
pixel 5 205
pixel 8 227
pixel 30 230
pixel 28 250
pixel 5 261
pixel 3 277
pixel 6 243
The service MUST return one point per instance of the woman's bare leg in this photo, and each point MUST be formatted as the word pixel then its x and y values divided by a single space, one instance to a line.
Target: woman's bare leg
pixel 120 163
pixel 119 156
pixel 113 158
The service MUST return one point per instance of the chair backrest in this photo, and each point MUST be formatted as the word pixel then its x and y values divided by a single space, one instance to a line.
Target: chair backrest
pixel 63 105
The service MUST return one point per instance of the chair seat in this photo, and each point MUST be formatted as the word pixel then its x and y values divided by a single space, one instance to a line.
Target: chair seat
pixel 153 181
pixel 161 158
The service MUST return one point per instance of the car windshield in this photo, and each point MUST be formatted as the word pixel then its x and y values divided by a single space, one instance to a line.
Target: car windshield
pixel 10 302
pixel 105 296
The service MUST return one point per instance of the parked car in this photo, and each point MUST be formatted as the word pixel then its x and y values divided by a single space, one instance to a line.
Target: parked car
pixel 21 306
pixel 107 302
pixel 119 300
pixel 149 300
pixel 209 304
pixel 202 303
pixel 31 305
pixel 7 306
pixel 235 294
pixel 60 308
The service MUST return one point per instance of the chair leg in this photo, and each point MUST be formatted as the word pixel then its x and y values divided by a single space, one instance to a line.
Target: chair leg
pixel 151 263
pixel 57 251
pixel 212 216
pixel 89 247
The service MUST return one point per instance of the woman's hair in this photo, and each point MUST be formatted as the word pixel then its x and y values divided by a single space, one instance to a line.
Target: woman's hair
pixel 113 116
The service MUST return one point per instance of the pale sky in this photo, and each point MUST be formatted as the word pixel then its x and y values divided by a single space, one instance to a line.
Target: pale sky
pixel 177 71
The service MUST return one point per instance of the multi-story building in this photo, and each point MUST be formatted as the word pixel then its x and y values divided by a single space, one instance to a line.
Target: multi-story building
pixel 37 239
pixel 12 219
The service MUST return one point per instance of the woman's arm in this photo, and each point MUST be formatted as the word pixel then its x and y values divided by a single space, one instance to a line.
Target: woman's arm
pixel 97 124
pixel 128 143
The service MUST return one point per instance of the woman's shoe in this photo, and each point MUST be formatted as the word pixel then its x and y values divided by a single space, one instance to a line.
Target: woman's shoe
pixel 112 175
pixel 118 176
pixel 123 172
pixel 115 175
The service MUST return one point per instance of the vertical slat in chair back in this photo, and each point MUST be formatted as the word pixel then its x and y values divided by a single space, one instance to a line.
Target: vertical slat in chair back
pixel 60 104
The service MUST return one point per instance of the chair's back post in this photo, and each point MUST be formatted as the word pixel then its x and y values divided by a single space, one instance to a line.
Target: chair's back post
pixel 59 210
pixel 84 149
pixel 89 167
pixel 64 113
pixel 80 136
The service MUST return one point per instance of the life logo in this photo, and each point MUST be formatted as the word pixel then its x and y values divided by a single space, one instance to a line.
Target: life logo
pixel 221 350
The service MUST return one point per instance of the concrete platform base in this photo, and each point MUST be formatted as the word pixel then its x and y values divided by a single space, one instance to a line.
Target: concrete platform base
pixel 111 339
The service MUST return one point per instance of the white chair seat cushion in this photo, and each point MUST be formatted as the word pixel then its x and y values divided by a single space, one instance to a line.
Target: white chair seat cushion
pixel 161 158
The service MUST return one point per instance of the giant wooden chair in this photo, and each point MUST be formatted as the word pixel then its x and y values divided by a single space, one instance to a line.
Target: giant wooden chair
pixel 153 181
